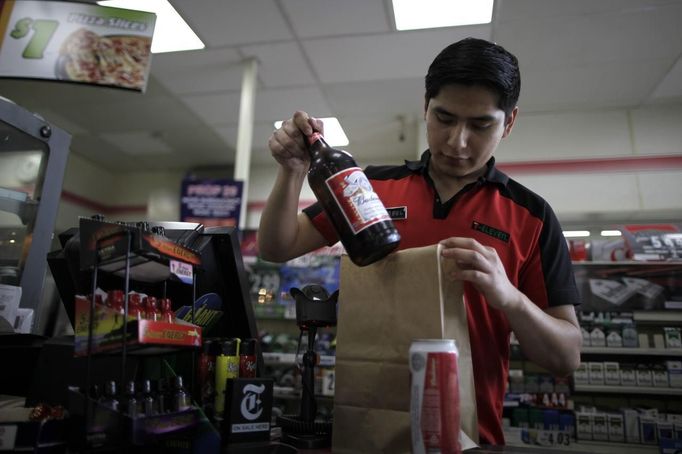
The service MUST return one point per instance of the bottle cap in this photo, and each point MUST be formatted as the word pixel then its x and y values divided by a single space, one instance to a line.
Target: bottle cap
pixel 248 347
pixel 207 346
pixel 230 346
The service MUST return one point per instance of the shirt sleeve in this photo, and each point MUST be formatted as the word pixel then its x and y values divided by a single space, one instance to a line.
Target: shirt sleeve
pixel 556 286
pixel 321 222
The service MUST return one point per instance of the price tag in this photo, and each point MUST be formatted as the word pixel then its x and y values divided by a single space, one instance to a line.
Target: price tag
pixel 654 242
pixel 540 437
pixel 182 270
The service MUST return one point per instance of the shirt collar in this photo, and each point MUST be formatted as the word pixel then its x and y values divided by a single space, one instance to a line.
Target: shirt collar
pixel 492 173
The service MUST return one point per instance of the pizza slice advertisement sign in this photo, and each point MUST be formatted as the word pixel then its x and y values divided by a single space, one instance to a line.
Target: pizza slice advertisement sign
pixel 75 42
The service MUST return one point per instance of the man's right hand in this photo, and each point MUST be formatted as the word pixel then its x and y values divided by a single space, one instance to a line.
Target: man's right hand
pixel 287 144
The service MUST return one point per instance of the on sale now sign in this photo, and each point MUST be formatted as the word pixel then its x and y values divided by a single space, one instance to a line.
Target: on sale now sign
pixel 75 42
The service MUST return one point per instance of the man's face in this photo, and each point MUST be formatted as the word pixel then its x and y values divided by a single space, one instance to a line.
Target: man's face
pixel 463 128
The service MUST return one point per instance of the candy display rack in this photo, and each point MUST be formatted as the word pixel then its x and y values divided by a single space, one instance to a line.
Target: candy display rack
pixel 135 253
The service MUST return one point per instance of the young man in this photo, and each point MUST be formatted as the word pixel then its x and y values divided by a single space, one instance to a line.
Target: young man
pixel 505 239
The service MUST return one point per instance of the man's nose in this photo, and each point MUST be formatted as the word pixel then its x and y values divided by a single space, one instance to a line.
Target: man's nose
pixel 459 136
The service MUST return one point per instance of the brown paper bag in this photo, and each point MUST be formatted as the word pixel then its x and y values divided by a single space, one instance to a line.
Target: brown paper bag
pixel 382 308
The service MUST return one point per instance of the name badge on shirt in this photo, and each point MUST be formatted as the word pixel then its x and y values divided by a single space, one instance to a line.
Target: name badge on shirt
pixel 397 213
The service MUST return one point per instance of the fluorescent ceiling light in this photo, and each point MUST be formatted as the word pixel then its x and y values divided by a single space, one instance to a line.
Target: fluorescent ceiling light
pixel 576 233
pixel 171 32
pixel 416 14
pixel 610 233
pixel 333 132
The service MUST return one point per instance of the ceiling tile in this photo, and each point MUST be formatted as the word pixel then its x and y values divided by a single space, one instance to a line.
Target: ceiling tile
pixel 152 114
pixel 261 134
pixel 96 150
pixel 199 71
pixel 58 119
pixel 578 40
pixel 281 103
pixel 671 85
pixel 215 108
pixel 316 18
pixel 229 23
pixel 400 96
pixel 137 142
pixel 273 58
pixel 391 56
pixel 531 10
pixel 595 86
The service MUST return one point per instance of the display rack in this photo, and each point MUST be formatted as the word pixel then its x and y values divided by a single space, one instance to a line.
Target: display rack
pixel 134 254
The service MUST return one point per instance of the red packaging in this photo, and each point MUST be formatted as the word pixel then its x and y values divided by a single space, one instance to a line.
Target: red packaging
pixel 247 358
pixel 434 397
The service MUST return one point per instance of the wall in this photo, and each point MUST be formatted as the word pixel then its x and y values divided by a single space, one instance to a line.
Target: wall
pixel 602 193
pixel 89 189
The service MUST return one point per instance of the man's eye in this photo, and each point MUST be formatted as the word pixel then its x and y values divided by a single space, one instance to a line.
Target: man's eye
pixel 444 119
pixel 481 126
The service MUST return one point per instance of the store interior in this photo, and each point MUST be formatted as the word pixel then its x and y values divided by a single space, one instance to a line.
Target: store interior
pixel 598 136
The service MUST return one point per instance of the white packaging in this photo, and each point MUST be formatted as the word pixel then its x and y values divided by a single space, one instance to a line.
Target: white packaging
pixel 596 371
pixel 614 340
pixel 611 373
pixel 581 376
pixel 644 377
pixel 631 425
pixel 628 376
pixel 600 429
pixel 583 426
pixel 659 376
pixel 616 427
pixel 597 338
pixel 672 337
pixel 659 341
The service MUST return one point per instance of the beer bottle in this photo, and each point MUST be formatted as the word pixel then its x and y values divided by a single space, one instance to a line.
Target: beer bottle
pixel 354 209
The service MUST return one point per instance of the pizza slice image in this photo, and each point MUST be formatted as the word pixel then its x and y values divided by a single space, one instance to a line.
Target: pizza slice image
pixel 119 60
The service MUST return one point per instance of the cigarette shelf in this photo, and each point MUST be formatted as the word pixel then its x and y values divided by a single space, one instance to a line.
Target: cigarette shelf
pixel 667 316
pixel 617 389
pixel 625 351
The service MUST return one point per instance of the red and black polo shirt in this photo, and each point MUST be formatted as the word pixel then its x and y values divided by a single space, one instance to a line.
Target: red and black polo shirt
pixel 496 211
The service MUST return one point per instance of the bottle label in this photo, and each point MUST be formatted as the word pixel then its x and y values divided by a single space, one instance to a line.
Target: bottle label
pixel 359 203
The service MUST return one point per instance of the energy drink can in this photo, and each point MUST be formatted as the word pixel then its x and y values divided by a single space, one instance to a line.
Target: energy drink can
pixel 434 396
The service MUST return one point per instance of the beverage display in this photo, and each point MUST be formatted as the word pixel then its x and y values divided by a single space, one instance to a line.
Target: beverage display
pixel 358 215
pixel 434 396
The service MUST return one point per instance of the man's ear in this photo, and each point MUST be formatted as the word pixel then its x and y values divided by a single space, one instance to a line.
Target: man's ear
pixel 509 122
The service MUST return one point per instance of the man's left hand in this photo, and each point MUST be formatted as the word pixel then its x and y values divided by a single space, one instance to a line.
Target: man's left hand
pixel 481 266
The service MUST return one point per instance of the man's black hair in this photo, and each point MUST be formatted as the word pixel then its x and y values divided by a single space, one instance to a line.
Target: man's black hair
pixel 473 61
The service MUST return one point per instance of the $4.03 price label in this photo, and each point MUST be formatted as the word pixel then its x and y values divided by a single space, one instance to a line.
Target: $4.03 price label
pixel 540 437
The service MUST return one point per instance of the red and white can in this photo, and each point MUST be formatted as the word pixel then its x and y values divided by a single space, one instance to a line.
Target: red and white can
pixel 434 396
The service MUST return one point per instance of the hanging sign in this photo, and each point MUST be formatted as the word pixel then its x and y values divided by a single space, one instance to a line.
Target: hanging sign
pixel 211 202
pixel 75 42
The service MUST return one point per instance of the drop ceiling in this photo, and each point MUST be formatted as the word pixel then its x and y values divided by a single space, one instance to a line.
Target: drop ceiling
pixel 345 59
